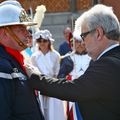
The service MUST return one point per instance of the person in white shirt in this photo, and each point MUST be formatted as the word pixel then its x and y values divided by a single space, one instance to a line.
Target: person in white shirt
pixel 76 62
pixel 46 58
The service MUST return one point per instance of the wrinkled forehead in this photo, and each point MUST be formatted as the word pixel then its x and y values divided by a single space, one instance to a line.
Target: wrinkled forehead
pixel 18 28
pixel 84 27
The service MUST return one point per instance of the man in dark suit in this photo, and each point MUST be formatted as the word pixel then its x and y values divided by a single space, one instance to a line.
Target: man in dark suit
pixel 97 91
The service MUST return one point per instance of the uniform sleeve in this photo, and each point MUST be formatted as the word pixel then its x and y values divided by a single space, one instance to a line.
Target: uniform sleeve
pixel 6 92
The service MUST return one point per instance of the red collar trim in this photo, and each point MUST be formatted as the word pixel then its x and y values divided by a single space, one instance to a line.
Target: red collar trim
pixel 17 55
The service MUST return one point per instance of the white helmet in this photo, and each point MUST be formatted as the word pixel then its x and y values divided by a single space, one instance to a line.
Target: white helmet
pixel 76 35
pixel 45 34
pixel 12 13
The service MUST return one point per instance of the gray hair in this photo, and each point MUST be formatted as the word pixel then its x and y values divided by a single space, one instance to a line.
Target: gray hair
pixel 100 16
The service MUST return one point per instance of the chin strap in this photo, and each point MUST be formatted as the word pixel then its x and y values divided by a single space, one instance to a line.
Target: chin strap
pixel 20 43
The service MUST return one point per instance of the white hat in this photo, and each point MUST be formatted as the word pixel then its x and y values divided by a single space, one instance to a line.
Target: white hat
pixel 12 13
pixel 76 35
pixel 45 34
pixel 13 2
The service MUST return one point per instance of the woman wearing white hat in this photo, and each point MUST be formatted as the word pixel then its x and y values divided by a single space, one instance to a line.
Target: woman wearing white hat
pixel 46 58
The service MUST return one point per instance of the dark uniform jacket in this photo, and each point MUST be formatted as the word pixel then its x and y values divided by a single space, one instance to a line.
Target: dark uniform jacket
pixel 66 66
pixel 64 48
pixel 97 91
pixel 17 99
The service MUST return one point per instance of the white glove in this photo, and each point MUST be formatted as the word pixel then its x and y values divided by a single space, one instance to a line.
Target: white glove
pixel 30 69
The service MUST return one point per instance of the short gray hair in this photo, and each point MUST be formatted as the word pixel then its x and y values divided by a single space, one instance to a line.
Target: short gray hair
pixel 100 16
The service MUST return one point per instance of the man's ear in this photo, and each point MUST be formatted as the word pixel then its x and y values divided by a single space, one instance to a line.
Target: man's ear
pixel 99 33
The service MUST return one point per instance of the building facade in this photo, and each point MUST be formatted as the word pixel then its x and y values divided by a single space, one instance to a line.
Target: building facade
pixel 62 13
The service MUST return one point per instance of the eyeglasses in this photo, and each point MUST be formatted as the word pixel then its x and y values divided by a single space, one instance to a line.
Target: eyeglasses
pixel 84 35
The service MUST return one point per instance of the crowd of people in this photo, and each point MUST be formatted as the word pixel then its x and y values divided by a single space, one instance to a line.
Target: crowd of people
pixel 80 81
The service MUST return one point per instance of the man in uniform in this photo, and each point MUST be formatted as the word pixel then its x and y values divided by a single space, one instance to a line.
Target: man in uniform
pixel 17 98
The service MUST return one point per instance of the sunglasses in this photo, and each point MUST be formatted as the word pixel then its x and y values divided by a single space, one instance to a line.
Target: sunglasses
pixel 84 35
